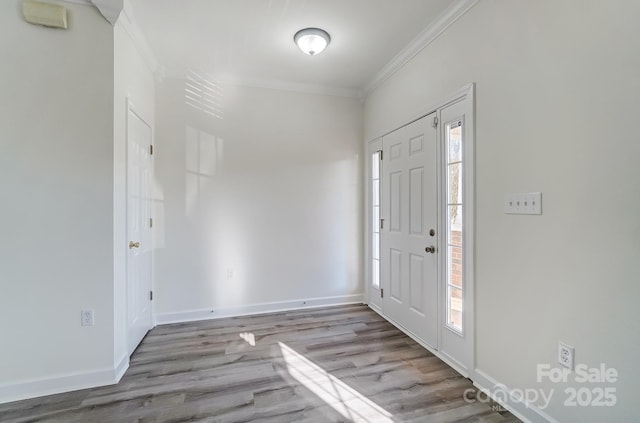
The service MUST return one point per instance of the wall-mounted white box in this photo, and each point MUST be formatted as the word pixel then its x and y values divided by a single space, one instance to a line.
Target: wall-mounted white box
pixel 523 203
pixel 46 14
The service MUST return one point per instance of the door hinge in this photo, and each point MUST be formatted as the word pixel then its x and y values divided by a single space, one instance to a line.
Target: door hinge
pixel 151 149
pixel 151 222
pixel 381 154
pixel 150 295
pixel 381 223
pixel 435 122
pixel 381 292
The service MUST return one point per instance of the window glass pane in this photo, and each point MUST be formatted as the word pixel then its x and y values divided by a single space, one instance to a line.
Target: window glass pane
pixel 454 236
pixel 375 274
pixel 455 221
pixel 454 310
pixel 375 194
pixel 375 248
pixel 375 165
pixel 454 266
pixel 455 247
pixel 455 183
pixel 375 219
pixel 454 141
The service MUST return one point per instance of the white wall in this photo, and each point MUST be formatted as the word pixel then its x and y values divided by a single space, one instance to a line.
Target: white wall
pixel 557 86
pixel 133 80
pixel 260 204
pixel 56 185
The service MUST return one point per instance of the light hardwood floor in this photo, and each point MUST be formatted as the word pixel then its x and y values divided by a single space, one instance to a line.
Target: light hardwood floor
pixel 334 364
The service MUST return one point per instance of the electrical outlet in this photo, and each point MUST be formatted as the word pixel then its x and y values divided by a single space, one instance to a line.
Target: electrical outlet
pixel 565 355
pixel 86 318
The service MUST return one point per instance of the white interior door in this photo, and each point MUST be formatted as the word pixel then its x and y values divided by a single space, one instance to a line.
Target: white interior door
pixel 409 250
pixel 139 178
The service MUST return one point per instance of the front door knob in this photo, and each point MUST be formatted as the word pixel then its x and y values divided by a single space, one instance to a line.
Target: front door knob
pixel 430 249
pixel 133 245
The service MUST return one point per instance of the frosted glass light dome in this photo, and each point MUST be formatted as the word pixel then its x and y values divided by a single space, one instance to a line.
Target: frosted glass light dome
pixel 312 41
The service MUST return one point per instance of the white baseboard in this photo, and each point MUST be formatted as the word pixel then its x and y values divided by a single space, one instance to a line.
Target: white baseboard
pixel 528 413
pixel 261 308
pixel 109 376
pixel 121 368
pixel 63 383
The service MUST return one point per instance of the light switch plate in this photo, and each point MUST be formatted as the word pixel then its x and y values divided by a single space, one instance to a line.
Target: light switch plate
pixel 523 203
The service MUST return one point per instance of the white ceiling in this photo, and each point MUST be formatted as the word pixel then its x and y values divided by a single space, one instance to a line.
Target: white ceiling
pixel 252 40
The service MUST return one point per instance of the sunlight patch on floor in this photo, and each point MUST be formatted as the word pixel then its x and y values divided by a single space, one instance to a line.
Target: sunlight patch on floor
pixel 249 338
pixel 345 400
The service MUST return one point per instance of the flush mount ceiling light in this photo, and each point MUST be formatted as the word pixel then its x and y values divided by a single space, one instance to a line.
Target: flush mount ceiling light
pixel 312 40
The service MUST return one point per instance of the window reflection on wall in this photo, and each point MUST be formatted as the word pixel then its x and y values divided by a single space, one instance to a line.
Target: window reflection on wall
pixel 203 93
pixel 204 154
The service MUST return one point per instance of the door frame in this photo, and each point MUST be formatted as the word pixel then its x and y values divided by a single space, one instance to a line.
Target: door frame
pixel 130 108
pixel 372 294
pixel 466 101
pixel 465 94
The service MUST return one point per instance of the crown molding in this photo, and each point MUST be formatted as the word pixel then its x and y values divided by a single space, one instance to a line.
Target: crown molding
pixel 120 12
pixel 273 84
pixel 127 21
pixel 110 9
pixel 426 37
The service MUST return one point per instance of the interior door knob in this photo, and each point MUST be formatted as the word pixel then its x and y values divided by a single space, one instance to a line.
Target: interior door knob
pixel 430 249
pixel 133 245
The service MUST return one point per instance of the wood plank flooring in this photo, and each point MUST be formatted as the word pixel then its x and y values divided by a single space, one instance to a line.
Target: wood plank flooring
pixel 334 364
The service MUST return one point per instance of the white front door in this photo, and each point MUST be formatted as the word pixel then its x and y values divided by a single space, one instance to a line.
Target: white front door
pixel 421 231
pixel 139 178
pixel 409 246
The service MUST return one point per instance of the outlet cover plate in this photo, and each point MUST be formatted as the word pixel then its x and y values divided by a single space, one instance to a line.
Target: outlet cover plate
pixel 87 318
pixel 565 355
